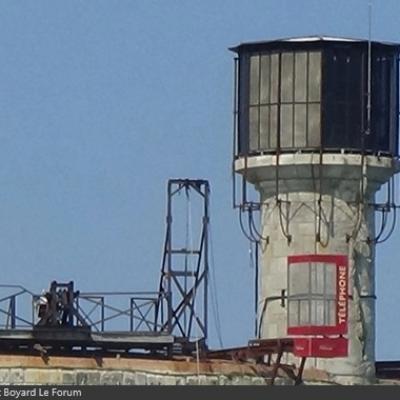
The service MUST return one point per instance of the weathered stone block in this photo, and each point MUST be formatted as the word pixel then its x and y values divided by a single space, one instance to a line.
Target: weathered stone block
pixel 140 378
pixel 168 380
pixel 68 378
pixel 4 376
pixel 128 378
pixel 16 376
pixel 37 376
pixel 258 381
pixel 279 381
pixel 180 380
pixel 88 378
pixel 224 380
pixel 153 380
pixel 193 380
pixel 111 378
pixel 236 380
pixel 244 380
pixel 212 380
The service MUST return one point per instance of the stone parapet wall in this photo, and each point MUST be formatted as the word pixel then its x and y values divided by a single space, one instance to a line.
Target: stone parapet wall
pixel 60 370
pixel 49 376
pixel 72 370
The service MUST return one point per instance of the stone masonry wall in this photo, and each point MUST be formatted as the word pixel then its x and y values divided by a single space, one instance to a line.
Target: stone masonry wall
pixel 75 370
pixel 41 376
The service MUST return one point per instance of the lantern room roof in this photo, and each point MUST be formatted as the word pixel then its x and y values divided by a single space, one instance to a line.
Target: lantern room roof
pixel 315 40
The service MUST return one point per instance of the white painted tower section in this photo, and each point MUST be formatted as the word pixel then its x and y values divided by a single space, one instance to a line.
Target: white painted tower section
pixel 320 204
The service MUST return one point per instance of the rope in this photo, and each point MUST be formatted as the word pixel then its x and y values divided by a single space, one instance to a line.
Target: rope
pixel 214 296
pixel 198 360
pixel 392 228
pixel 284 232
pixel 198 336
pixel 188 246
pixel 190 240
pixel 242 228
pixel 391 204
pixel 252 227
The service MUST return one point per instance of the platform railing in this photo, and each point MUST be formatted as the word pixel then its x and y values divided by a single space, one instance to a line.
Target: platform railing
pixel 101 311
pixel 11 297
pixel 120 311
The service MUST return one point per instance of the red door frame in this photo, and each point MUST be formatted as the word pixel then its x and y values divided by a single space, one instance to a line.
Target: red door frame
pixel 342 283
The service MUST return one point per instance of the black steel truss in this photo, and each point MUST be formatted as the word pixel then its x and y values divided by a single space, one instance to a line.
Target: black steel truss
pixel 184 271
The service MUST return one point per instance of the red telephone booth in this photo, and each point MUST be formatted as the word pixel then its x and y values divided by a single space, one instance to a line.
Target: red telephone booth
pixel 318 304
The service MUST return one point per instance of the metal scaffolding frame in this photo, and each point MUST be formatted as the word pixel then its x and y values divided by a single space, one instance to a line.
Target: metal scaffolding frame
pixel 186 290
pixel 175 314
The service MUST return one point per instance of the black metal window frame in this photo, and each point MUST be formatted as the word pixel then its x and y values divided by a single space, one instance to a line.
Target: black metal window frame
pixel 310 297
pixel 359 137
pixel 274 101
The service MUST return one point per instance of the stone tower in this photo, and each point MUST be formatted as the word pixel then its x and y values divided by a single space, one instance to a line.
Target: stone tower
pixel 317 135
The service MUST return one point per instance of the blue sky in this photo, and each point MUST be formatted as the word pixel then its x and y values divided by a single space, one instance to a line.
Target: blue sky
pixel 102 101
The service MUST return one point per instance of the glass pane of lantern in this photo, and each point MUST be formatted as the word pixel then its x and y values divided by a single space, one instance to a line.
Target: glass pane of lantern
pixel 314 76
pixel 393 102
pixel 274 77
pixel 254 79
pixel 317 312
pixel 300 92
pixel 317 278
pixel 265 77
pixel 287 77
pixel 304 318
pixel 286 126
pixel 331 312
pixel 273 132
pixel 314 125
pixel 264 127
pixel 299 280
pixel 300 125
pixel 253 121
pixel 293 312
pixel 330 280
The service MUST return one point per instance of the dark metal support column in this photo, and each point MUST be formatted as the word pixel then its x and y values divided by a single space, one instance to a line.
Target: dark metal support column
pixel 299 377
pixel 184 289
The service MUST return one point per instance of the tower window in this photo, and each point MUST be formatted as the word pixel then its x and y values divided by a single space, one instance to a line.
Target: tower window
pixel 317 294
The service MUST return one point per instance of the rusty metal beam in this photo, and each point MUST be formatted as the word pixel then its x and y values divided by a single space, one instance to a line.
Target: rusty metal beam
pixel 258 350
